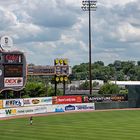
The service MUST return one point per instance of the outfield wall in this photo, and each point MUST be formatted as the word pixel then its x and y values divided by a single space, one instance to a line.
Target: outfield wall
pixel 111 105
pixel 8 112
pixel 14 107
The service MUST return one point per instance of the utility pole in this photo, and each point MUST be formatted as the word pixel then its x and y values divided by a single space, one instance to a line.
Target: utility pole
pixel 89 6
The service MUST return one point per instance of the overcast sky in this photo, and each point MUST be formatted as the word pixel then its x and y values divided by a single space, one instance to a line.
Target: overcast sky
pixel 49 29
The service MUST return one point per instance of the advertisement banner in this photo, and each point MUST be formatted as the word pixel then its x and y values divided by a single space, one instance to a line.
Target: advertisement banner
pixel 106 98
pixel 13 82
pixel 37 101
pixel 9 103
pixel 24 111
pixel 80 107
pixel 1 104
pixel 10 112
pixel 86 106
pixel 67 99
pixel 2 113
pixel 31 110
pixel 56 108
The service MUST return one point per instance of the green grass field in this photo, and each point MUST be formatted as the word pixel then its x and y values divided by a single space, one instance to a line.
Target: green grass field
pixel 112 125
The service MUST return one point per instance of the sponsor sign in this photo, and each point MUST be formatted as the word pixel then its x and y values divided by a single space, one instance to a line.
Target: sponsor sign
pixel 70 108
pixel 108 98
pixel 31 110
pixel 13 58
pixel 13 82
pixel 45 109
pixel 67 99
pixel 10 112
pixel 24 110
pixel 78 107
pixel 1 104
pixel 55 108
pixel 86 106
pixel 12 103
pixel 2 113
pixel 37 101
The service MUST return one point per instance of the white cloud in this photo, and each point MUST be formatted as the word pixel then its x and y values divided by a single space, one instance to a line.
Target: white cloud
pixel 7 18
pixel 112 3
pixel 128 33
pixel 46 30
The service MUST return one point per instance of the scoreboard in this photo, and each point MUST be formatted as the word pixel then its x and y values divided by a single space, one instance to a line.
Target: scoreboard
pixel 12 70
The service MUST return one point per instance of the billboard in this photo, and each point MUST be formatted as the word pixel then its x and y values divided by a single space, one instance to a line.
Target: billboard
pixel 37 101
pixel 8 112
pixel 13 82
pixel 2 113
pixel 66 99
pixel 56 108
pixel 1 104
pixel 108 98
pixel 9 103
pixel 25 110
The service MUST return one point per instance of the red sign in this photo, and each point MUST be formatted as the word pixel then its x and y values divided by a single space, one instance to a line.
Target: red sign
pixel 10 82
pixel 13 58
pixel 67 99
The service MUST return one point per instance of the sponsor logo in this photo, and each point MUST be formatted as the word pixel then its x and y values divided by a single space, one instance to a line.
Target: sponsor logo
pixel 25 111
pixel 69 108
pixel 13 103
pixel 67 99
pixel 46 100
pixel 84 107
pixel 59 109
pixel 41 109
pixel 11 112
pixel 26 102
pixel 1 104
pixel 35 101
pixel 13 82
pixel 12 57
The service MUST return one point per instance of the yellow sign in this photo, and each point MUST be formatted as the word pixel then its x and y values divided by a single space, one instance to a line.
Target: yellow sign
pixel 1 104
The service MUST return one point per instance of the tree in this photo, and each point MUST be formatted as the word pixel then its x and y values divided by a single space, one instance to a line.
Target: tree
pixel 51 91
pixel 84 86
pixel 34 89
pixel 109 89
pixel 101 63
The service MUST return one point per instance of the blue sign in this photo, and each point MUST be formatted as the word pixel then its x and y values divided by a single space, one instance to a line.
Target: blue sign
pixel 59 110
pixel 70 108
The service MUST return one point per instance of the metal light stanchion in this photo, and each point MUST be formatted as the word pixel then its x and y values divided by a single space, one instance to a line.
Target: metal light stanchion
pixel 89 6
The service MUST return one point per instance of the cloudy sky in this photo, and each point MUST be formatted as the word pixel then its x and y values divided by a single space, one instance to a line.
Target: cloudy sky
pixel 49 29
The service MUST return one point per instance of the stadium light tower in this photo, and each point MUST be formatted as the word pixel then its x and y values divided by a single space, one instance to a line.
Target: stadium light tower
pixel 89 6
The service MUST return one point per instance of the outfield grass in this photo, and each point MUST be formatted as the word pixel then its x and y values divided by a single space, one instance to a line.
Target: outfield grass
pixel 112 125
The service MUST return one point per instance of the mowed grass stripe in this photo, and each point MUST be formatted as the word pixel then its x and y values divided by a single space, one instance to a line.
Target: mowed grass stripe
pixel 116 125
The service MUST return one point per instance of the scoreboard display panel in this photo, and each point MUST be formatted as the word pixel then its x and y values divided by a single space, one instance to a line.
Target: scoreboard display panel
pixel 13 70
pixel 12 58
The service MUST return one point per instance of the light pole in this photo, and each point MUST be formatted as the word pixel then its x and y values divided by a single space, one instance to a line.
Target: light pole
pixel 89 6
